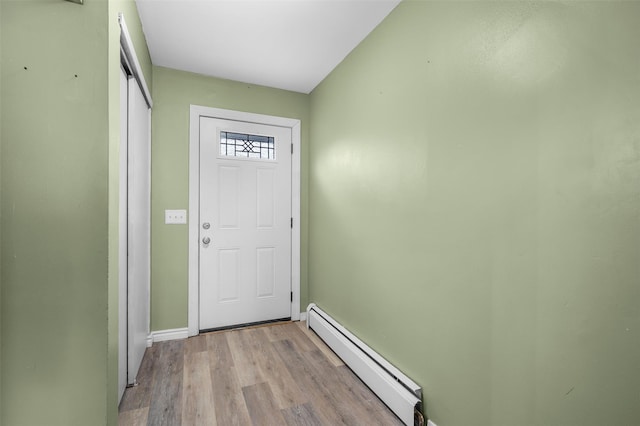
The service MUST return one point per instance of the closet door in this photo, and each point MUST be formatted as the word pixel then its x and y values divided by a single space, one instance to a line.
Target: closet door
pixel 139 232
pixel 122 250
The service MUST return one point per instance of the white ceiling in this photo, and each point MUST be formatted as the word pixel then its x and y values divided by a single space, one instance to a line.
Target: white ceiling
pixel 286 44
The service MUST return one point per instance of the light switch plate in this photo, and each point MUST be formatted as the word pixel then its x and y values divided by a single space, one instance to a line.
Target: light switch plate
pixel 175 217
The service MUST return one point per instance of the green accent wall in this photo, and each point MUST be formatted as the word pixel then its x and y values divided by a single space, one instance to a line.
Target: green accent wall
pixel 473 210
pixel 59 145
pixel 173 93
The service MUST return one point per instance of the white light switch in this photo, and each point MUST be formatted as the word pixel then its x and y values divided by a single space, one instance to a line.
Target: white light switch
pixel 172 217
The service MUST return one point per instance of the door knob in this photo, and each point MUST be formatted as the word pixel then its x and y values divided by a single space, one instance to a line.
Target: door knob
pixel 206 240
pixel 206 225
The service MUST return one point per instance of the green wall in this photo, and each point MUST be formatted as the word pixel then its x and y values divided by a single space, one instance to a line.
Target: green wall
pixel 54 212
pixel 173 93
pixel 474 203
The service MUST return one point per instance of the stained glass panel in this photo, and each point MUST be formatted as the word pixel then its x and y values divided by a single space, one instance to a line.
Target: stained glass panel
pixel 248 146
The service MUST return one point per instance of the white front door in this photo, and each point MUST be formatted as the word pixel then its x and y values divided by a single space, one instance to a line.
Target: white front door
pixel 245 223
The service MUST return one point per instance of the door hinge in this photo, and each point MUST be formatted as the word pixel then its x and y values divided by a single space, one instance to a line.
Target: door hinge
pixel 291 223
pixel 291 148
pixel 292 296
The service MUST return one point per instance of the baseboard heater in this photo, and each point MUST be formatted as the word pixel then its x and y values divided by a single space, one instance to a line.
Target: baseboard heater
pixel 397 391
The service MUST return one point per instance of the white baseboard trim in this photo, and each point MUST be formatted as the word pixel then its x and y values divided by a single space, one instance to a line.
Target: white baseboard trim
pixel 430 423
pixel 171 334
pixel 303 316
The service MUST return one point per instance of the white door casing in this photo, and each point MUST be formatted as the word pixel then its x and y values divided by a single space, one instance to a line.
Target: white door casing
pixel 245 214
pixel 242 245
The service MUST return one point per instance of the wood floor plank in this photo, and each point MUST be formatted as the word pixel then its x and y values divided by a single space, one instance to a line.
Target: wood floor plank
pixel 312 384
pixel 301 415
pixel 140 396
pixel 350 382
pixel 344 400
pixel 244 358
pixel 299 338
pixel 376 404
pixel 369 399
pixel 313 337
pixel 166 392
pixel 262 406
pixel 227 392
pixel 349 387
pixel 197 393
pixel 137 417
pixel 276 333
pixel 228 399
pixel 195 344
pixel 273 370
pixel 290 331
pixel 219 351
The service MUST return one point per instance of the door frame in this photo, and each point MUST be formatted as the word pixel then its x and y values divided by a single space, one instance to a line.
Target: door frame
pixel 197 111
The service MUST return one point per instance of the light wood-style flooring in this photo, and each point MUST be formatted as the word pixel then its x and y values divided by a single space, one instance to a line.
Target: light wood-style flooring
pixel 272 375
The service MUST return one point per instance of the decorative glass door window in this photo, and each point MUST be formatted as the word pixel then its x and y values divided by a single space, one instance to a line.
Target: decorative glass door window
pixel 247 146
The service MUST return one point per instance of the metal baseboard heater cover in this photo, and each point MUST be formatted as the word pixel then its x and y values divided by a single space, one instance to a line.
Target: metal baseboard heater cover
pixel 401 394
